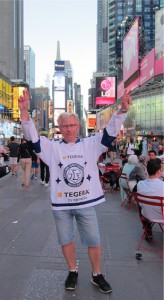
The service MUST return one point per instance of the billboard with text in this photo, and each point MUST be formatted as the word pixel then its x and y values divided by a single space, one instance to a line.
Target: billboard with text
pixel 105 90
pixel 147 67
pixel 131 51
pixel 59 81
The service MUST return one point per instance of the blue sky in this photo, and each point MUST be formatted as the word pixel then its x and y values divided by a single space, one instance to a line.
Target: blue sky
pixel 73 23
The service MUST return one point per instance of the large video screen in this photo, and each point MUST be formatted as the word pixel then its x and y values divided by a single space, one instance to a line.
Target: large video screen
pixel 59 81
pixel 105 90
pixel 59 99
pixel 131 51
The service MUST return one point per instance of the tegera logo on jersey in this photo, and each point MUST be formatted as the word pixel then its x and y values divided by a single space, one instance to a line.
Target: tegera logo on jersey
pixel 74 175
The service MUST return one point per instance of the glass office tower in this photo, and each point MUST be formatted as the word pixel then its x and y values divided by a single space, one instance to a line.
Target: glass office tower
pixel 11 39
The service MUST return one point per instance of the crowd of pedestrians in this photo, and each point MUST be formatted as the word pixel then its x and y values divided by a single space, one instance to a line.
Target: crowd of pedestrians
pixel 19 155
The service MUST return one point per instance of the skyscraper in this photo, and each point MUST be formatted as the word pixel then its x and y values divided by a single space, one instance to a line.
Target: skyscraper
pixel 29 66
pixel 102 35
pixel 29 72
pixel 11 39
pixel 119 16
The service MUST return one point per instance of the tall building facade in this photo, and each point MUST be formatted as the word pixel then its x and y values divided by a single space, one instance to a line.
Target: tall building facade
pixel 102 35
pixel 29 66
pixel 29 72
pixel 11 39
pixel 120 16
pixel 62 87
pixel 40 113
pixel 79 107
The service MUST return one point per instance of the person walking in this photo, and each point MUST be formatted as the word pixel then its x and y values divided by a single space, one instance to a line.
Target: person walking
pixel 13 148
pixel 25 155
pixel 44 173
pixel 155 145
pixel 130 147
pixel 74 183
pixel 35 167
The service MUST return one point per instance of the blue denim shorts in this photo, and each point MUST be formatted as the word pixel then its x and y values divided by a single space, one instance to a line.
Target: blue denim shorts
pixel 87 225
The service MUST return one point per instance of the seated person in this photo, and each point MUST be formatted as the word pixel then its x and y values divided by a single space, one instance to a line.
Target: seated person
pixel 152 186
pixel 101 163
pixel 143 164
pixel 123 158
pixel 134 171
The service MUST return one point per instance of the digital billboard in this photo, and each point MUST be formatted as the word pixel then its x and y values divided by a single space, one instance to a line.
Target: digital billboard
pixel 131 51
pixel 17 92
pixel 59 99
pixel 147 67
pixel 59 65
pixel 159 39
pixel 59 81
pixel 105 90
pixel 91 121
pixel 159 42
pixel 50 110
pixel 70 106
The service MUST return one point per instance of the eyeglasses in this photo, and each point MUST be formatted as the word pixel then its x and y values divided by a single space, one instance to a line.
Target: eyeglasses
pixel 66 126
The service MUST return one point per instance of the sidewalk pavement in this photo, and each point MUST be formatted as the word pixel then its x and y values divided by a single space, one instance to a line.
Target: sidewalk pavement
pixel 32 266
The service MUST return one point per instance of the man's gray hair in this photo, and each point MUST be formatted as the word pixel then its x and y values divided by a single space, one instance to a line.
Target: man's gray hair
pixel 67 115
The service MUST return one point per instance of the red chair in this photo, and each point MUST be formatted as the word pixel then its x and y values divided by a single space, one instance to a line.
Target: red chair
pixel 105 180
pixel 130 195
pixel 153 201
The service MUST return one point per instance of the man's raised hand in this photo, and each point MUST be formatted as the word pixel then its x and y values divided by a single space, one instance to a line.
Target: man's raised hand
pixel 126 101
pixel 23 101
pixel 23 104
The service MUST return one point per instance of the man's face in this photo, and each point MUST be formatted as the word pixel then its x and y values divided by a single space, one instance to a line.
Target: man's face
pixel 152 155
pixel 69 128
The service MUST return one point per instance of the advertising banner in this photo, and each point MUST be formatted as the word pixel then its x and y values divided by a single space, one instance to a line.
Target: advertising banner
pixel 147 67
pixel 59 99
pixel 102 118
pixel 59 81
pixel 50 110
pixel 131 51
pixel 70 106
pixel 105 90
pixel 159 39
pixel 91 121
pixel 159 42
pixel 59 65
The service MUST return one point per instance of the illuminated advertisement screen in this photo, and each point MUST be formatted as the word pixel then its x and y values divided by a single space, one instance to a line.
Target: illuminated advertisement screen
pixel 91 121
pixel 17 92
pixel 10 129
pixel 105 90
pixel 159 41
pixel 59 65
pixel 59 81
pixel 131 51
pixel 50 110
pixel 59 99
pixel 70 106
pixel 147 67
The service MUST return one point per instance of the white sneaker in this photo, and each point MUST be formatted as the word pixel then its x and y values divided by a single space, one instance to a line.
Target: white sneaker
pixel 42 182
pixel 46 184
pixel 35 177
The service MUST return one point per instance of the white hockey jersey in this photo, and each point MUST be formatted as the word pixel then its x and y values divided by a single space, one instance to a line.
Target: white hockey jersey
pixel 74 177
